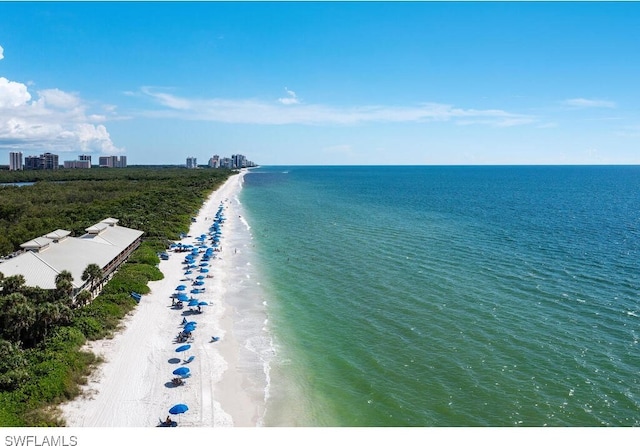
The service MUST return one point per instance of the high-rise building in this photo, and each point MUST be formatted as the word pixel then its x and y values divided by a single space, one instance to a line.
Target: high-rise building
pixel 239 161
pixel 44 161
pixel 214 161
pixel 112 161
pixel 50 160
pixel 15 160
pixel 192 162
pixel 85 158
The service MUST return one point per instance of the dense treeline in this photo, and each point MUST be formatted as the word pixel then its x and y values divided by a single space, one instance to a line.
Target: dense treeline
pixel 42 331
pixel 155 200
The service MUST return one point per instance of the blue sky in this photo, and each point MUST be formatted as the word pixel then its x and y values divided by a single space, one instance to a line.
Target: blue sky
pixel 323 82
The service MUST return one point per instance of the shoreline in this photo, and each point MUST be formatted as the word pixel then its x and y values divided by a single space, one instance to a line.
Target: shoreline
pixel 229 378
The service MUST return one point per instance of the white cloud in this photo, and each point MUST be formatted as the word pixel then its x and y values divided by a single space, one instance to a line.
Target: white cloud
pixel 254 111
pixel 56 121
pixel 12 94
pixel 589 103
pixel 1 52
pixel 291 99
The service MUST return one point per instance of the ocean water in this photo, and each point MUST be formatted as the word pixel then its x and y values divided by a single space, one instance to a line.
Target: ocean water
pixel 450 296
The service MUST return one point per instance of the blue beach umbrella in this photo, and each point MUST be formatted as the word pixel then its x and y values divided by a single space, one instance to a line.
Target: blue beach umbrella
pixel 183 348
pixel 182 371
pixel 204 270
pixel 199 283
pixel 189 329
pixel 193 303
pixel 202 303
pixel 200 277
pixel 183 298
pixel 181 287
pixel 196 291
pixel 178 409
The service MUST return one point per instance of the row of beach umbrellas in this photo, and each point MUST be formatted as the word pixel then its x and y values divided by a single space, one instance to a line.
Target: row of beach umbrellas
pixel 190 260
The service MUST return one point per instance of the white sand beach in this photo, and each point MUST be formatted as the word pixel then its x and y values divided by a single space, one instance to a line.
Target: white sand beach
pixel 229 377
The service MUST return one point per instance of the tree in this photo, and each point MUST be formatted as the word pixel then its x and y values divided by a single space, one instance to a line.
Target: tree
pixel 64 286
pixel 49 314
pixel 13 365
pixel 12 284
pixel 18 317
pixel 82 298
pixel 92 273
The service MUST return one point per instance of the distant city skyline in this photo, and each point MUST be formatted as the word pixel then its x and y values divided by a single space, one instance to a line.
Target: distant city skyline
pixel 294 83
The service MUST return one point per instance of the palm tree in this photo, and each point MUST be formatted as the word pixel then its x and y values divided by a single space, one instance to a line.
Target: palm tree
pixel 92 273
pixel 64 276
pixel 51 314
pixel 82 298
pixel 12 284
pixel 19 315
pixel 64 284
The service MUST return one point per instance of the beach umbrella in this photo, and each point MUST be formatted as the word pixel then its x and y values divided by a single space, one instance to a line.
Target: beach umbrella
pixel 193 303
pixel 204 270
pixel 202 303
pixel 189 329
pixel 178 409
pixel 200 277
pixel 196 291
pixel 182 371
pixel 199 283
pixel 183 348
pixel 183 298
pixel 188 271
pixel 181 287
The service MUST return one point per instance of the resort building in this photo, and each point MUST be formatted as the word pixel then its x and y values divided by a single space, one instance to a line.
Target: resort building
pixel 15 160
pixel 105 244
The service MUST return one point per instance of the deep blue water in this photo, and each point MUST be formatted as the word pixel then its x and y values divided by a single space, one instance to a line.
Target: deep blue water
pixel 451 296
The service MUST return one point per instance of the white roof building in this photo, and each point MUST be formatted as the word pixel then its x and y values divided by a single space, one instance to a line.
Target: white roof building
pixel 105 244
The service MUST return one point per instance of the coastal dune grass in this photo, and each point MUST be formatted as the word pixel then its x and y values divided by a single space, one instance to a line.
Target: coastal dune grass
pixel 160 201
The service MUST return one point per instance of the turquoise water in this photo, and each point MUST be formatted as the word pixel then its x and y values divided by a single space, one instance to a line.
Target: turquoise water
pixel 450 296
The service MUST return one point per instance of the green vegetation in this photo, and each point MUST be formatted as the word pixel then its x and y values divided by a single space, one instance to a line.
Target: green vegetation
pixel 42 331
